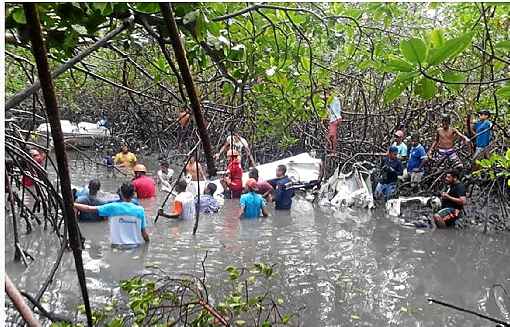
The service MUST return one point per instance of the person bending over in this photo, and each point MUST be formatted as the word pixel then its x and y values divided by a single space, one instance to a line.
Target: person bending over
pixel 90 199
pixel 452 201
pixel 263 187
pixel 391 169
pixel 252 204
pixel 208 203
pixel 128 225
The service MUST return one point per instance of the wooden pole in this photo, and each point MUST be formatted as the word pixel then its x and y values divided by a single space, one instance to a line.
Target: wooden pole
pixel 20 304
pixel 50 101
pixel 180 55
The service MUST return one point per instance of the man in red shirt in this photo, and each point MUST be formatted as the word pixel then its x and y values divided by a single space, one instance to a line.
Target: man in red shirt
pixel 144 185
pixel 38 157
pixel 233 182
pixel 263 187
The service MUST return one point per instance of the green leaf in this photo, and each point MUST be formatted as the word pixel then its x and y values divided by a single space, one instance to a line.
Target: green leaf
pixel 19 16
pixel 450 49
pixel 147 7
pixel 436 38
pixel 398 86
pixel 454 77
pixel 413 50
pixel 396 64
pixel 503 45
pixel 504 92
pixel 426 88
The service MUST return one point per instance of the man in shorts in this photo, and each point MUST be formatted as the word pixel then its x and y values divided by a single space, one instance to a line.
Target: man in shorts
pixel 452 201
pixel 445 141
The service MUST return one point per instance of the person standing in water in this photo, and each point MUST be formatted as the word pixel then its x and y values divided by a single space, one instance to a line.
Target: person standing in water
pixel 164 176
pixel 128 225
pixel 252 204
pixel 91 200
pixel 193 171
pixel 233 181
pixel 144 185
pixel 125 158
pixel 282 195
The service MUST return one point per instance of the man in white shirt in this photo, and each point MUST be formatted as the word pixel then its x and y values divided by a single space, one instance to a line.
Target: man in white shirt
pixel 165 174
pixel 238 143
pixel 183 206
pixel 127 220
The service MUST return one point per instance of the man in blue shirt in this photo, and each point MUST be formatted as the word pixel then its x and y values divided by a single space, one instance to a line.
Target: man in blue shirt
pixel 482 129
pixel 417 156
pixel 208 203
pixel 282 195
pixel 252 204
pixel 127 220
pixel 390 170
pixel 90 198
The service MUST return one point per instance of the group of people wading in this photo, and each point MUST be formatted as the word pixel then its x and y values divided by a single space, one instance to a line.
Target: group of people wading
pixel 126 215
pixel 128 224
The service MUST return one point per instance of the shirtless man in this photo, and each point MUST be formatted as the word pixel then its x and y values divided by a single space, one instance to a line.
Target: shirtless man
pixel 239 143
pixel 445 141
pixel 191 169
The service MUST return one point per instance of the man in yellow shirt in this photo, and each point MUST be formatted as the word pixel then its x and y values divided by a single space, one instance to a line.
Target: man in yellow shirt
pixel 125 158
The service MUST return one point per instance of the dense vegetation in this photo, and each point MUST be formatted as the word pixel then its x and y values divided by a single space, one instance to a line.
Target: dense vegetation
pixel 263 67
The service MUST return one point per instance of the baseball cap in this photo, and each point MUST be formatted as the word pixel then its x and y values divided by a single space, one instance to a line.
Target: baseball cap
pixel 399 133
pixel 251 183
pixel 393 149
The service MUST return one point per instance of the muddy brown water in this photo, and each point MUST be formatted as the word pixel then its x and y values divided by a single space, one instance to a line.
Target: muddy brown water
pixel 343 267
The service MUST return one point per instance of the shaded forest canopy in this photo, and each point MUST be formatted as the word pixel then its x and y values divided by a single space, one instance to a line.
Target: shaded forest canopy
pixel 262 68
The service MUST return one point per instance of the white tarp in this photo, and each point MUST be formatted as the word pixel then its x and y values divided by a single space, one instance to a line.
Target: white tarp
pixel 393 206
pixel 80 129
pixel 351 189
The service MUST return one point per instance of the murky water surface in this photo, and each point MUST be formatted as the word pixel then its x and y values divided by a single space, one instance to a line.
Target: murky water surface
pixel 346 268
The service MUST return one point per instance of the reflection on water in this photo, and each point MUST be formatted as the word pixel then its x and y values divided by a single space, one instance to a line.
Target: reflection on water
pixel 347 268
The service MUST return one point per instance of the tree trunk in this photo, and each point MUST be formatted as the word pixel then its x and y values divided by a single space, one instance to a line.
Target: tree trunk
pixel 180 55
pixel 50 101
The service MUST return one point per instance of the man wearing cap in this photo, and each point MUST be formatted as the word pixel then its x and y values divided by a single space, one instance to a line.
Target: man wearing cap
pixel 233 181
pixel 144 185
pixel 417 156
pixel 125 158
pixel 482 130
pixel 445 141
pixel 252 204
pixel 401 146
pixel 390 170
